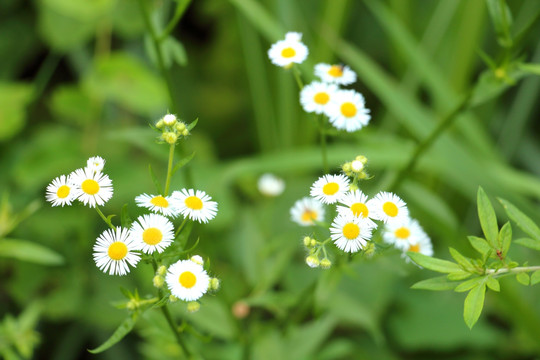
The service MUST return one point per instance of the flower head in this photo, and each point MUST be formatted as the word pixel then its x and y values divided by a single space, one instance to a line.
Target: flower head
pixel 60 191
pixel 152 232
pixel 195 204
pixel 347 111
pixel 355 203
pixel 336 74
pixel 329 188
pixel 351 233
pixel 159 204
pixel 388 207
pixel 317 96
pixel 307 211
pixel 422 245
pixel 90 187
pixel 286 52
pixel 187 280
pixel 113 251
pixel 403 233
pixel 95 163
pixel 270 185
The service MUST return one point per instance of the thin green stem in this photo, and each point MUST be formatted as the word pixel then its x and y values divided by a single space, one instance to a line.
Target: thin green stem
pixel 180 10
pixel 297 77
pixel 180 227
pixel 169 170
pixel 324 155
pixel 107 221
pixel 516 270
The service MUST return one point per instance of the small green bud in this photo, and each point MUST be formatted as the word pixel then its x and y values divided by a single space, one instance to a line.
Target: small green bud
pixel 307 241
pixel 193 306
pixel 132 305
pixel 172 299
pixel 180 127
pixel 185 132
pixel 313 243
pixel 346 167
pixel 312 261
pixel 353 187
pixel 160 124
pixel 325 263
pixel 162 270
pixel 362 159
pixel 170 137
pixel 214 284
pixel 158 281
pixel 369 249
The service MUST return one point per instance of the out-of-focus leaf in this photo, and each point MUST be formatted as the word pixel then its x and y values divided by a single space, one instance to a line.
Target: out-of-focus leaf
pixel 431 263
pixel 487 217
pixel 316 331
pixel 183 162
pixel 63 32
pixel 215 318
pixel 80 10
pixel 530 68
pixel 439 283
pixel 523 278
pixel 172 50
pixel 530 243
pixel 474 303
pixel 535 277
pixel 72 105
pixel 493 284
pixel 521 220
pixel 127 18
pixel 156 182
pixel 29 251
pixel 502 21
pixel 125 327
pixel 259 16
pixel 13 99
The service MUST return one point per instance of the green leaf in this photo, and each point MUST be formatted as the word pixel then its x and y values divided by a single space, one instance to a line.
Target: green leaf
pixel 459 275
pixel 530 243
pixel 474 302
pixel 505 238
pixel 469 284
pixel 72 105
pixel 480 245
pixel 523 278
pixel 487 217
pixel 260 18
pixel 173 51
pixel 521 220
pixel 493 284
pixel 13 100
pixel 434 264
pixel 530 68
pixel 192 124
pixel 461 260
pixel 439 283
pixel 125 327
pixel 535 277
pixel 182 163
pixel 155 180
pixel 29 251
pixel 502 20
pixel 125 219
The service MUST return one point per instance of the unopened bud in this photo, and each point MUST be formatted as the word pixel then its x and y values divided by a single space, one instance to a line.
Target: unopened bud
pixel 313 242
pixel 312 261
pixel 193 306
pixel 214 284
pixel 357 166
pixel 162 270
pixel 170 137
pixel 169 119
pixel 325 264
pixel 160 124
pixel 346 167
pixel 197 259
pixel 158 281
pixel 307 241
pixel 180 127
pixel 172 299
pixel 185 132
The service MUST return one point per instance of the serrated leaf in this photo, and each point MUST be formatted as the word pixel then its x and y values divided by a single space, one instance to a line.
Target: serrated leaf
pixel 469 284
pixel 493 284
pixel 125 327
pixel 523 278
pixel 461 260
pixel 505 238
pixel 29 251
pixel 480 245
pixel 535 277
pixel 487 217
pixel 431 263
pixel 155 180
pixel 182 163
pixel 474 302
pixel 125 219
pixel 530 243
pixel 521 220
pixel 459 275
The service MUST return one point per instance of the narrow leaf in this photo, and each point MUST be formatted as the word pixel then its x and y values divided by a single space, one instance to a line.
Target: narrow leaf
pixel 493 284
pixel 523 278
pixel 125 327
pixel 502 19
pixel 487 217
pixel 432 263
pixel 155 180
pixel 29 251
pixel 480 245
pixel 474 302
pixel 459 275
pixel 469 284
pixel 535 277
pixel 182 163
pixel 125 219
pixel 505 238
pixel 461 260
pixel 521 220
pixel 530 243
pixel 192 124
pixel 439 283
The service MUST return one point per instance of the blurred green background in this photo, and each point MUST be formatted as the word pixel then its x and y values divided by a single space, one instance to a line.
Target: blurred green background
pixel 80 78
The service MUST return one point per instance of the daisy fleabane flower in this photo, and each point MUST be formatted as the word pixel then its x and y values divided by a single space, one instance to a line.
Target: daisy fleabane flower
pixel 317 96
pixel 286 52
pixel 114 250
pixel 388 207
pixel 164 205
pixel 270 185
pixel 307 211
pixel 422 245
pixel 336 74
pixel 402 234
pixel 60 191
pixel 152 232
pixel 95 163
pixel 187 280
pixel 351 233
pixel 329 188
pixel 355 203
pixel 195 204
pixel 91 188
pixel 347 111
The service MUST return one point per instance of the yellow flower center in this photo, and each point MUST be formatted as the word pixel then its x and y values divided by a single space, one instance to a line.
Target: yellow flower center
pixel 309 216
pixel 194 203
pixel 321 98
pixel 288 52
pixel 351 231
pixel 117 250
pixel 159 201
pixel 152 236
pixel 187 279
pixel 335 71
pixel 330 188
pixel 63 192
pixel 348 109
pixel 415 248
pixel 359 209
pixel 390 209
pixel 402 233
pixel 89 186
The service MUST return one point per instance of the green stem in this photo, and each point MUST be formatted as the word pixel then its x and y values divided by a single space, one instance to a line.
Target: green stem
pixel 180 227
pixel 297 77
pixel 107 221
pixel 515 270
pixel 180 10
pixel 323 144
pixel 169 170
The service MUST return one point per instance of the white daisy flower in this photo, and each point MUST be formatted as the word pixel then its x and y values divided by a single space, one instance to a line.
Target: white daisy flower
pixel 195 204
pixel 388 207
pixel 95 164
pixel 347 111
pixel 317 96
pixel 351 233
pixel 286 52
pixel 91 188
pixel 329 188
pixel 403 233
pixel 356 204
pixel 270 185
pixel 422 246
pixel 306 211
pixel 187 280
pixel 60 191
pixel 337 74
pixel 113 251
pixel 164 205
pixel 152 232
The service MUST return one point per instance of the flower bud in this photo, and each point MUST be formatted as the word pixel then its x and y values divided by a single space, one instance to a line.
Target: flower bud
pixel 325 263
pixel 180 127
pixel 193 306
pixel 214 284
pixel 197 259
pixel 313 242
pixel 185 132
pixel 307 241
pixel 170 137
pixel 346 167
pixel 357 166
pixel 160 124
pixel 169 119
pixel 162 270
pixel 312 261
pixel 158 281
pixel 172 299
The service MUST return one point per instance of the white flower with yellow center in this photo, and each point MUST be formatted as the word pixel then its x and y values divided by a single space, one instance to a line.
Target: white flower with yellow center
pixel 195 204
pixel 95 164
pixel 187 280
pixel 336 74
pixel 286 52
pixel 307 211
pixel 355 203
pixel 402 234
pixel 351 233
pixel 91 188
pixel 388 207
pixel 164 205
pixel 422 246
pixel 114 250
pixel 270 185
pixel 347 111
pixel 60 191
pixel 329 188
pixel 152 232
pixel 317 96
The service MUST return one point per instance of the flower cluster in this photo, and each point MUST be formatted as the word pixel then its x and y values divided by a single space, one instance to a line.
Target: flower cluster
pixel 171 129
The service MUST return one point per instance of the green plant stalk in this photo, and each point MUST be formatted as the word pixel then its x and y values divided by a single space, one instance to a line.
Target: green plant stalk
pixel 323 144
pixel 179 12
pixel 180 227
pixel 107 221
pixel 169 170
pixel 516 270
